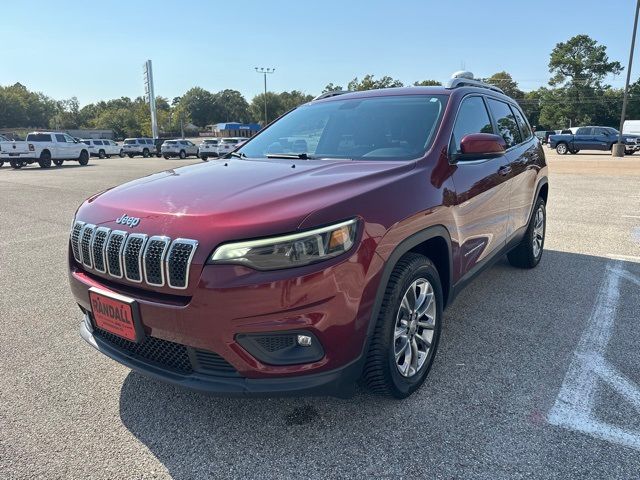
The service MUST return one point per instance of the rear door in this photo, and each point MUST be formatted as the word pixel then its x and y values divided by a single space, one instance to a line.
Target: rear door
pixel 584 139
pixel 482 190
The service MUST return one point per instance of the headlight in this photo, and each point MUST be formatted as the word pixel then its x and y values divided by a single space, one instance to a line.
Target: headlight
pixel 293 250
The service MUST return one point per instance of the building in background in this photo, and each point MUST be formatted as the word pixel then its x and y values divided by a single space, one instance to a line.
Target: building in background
pixel 232 129
pixel 91 133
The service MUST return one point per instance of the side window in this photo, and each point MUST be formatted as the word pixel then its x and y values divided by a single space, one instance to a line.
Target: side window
pixel 69 138
pixel 584 131
pixel 599 131
pixel 506 122
pixel 472 118
pixel 97 142
pixel 60 138
pixel 522 123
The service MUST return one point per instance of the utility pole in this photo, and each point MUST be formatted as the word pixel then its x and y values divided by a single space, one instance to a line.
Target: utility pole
pixel 618 149
pixel 264 71
pixel 150 97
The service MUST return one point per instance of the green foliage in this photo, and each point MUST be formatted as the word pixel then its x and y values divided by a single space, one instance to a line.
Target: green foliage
pixel 331 88
pixel 368 82
pixel 427 83
pixel 505 81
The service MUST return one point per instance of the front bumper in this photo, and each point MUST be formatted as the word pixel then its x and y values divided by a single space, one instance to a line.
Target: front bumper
pixel 338 383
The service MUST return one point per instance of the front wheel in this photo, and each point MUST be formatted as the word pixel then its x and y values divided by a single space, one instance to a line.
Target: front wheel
pixel 529 252
pixel 407 330
pixel 562 148
pixel 183 154
pixel 84 158
pixel 166 157
pixel 204 158
pixel 121 154
pixel 145 153
pixel 629 152
pixel 101 154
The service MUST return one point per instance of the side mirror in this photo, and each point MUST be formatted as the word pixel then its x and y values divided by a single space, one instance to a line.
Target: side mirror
pixel 476 146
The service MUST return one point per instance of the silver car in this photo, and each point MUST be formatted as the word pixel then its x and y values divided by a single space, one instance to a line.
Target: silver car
pixel 178 148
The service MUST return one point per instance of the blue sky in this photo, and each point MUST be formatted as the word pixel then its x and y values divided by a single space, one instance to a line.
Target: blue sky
pixel 96 50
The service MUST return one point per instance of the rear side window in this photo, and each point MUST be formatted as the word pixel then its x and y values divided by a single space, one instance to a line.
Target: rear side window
pixel 97 142
pixel 522 123
pixel 472 118
pixel 39 137
pixel 506 122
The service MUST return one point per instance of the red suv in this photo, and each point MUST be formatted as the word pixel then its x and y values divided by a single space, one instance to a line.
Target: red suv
pixel 323 250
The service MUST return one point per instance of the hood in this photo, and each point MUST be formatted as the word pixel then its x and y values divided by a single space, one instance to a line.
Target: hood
pixel 238 198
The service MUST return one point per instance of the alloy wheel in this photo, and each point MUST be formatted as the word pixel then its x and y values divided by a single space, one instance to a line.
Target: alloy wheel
pixel 538 232
pixel 414 328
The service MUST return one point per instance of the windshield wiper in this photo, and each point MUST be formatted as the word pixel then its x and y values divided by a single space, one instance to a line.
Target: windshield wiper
pixel 238 154
pixel 299 156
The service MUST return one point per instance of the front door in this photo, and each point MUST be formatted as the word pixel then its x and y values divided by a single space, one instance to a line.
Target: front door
pixel 482 190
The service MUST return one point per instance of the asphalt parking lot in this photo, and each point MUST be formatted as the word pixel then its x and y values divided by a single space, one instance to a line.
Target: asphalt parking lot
pixel 538 372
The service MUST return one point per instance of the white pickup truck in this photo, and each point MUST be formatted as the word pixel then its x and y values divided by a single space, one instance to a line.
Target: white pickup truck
pixel 44 148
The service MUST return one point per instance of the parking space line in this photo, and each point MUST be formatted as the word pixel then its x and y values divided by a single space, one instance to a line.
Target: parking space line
pixel 628 258
pixel 573 407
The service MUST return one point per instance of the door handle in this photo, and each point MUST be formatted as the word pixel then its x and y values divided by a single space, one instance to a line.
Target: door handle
pixel 504 171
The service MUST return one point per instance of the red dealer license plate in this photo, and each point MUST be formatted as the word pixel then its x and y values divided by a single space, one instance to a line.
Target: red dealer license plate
pixel 115 314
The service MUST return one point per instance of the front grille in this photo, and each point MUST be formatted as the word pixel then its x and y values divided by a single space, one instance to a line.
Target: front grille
pixel 170 355
pixel 156 260
pixel 273 343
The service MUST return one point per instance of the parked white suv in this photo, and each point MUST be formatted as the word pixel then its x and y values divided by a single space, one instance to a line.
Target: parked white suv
pixel 178 148
pixel 208 148
pixel 138 146
pixel 228 145
pixel 44 148
pixel 103 148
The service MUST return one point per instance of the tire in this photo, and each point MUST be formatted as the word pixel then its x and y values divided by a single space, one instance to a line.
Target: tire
pixel 629 152
pixel 84 158
pixel 45 160
pixel 1 164
pixel 183 154
pixel 121 154
pixel 130 155
pixel 562 148
pixel 108 156
pixel 204 158
pixel 58 163
pixel 101 154
pixel 574 151
pixel 529 252
pixel 145 153
pixel 382 372
pixel 166 157
pixel 16 164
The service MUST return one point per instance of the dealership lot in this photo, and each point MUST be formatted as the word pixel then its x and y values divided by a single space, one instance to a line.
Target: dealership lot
pixel 538 372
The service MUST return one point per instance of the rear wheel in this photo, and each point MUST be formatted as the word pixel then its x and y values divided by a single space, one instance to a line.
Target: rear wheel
pixel 629 152
pixel 17 164
pixel 121 154
pixel 204 158
pixel 57 163
pixel 407 330
pixel 166 157
pixel 562 148
pixel 45 160
pixel 183 154
pixel 130 155
pixel 529 252
pixel 101 154
pixel 145 153
pixel 574 151
pixel 1 164
pixel 84 158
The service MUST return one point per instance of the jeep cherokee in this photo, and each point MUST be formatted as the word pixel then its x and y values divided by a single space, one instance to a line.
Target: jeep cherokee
pixel 323 250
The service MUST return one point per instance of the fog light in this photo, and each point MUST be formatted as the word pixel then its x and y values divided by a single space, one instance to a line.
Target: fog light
pixel 304 340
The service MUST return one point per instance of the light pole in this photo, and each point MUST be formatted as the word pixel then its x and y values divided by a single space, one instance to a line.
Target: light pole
pixel 618 149
pixel 264 71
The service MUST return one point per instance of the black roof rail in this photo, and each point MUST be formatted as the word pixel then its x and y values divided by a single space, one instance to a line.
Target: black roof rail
pixel 468 82
pixel 330 94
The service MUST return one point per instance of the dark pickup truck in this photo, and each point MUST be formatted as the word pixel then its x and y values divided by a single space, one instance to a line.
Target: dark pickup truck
pixel 592 138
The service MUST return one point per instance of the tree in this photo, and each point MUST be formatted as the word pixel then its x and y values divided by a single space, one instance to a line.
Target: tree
pixel 578 67
pixel 505 81
pixel 330 87
pixel 274 107
pixel 230 106
pixel 293 99
pixel 369 83
pixel 199 104
pixel 427 83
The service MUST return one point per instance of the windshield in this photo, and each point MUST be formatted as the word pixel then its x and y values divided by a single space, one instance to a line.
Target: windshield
pixel 210 142
pixel 230 140
pixel 382 128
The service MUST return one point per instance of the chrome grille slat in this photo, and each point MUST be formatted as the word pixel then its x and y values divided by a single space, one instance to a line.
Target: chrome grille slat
pixel 157 261
pixel 178 262
pixel 153 260
pixel 132 257
pixel 115 246
pixel 75 240
pixel 98 248
pixel 86 238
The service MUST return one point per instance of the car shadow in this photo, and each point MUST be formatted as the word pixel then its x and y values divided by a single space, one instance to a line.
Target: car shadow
pixel 36 168
pixel 488 392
